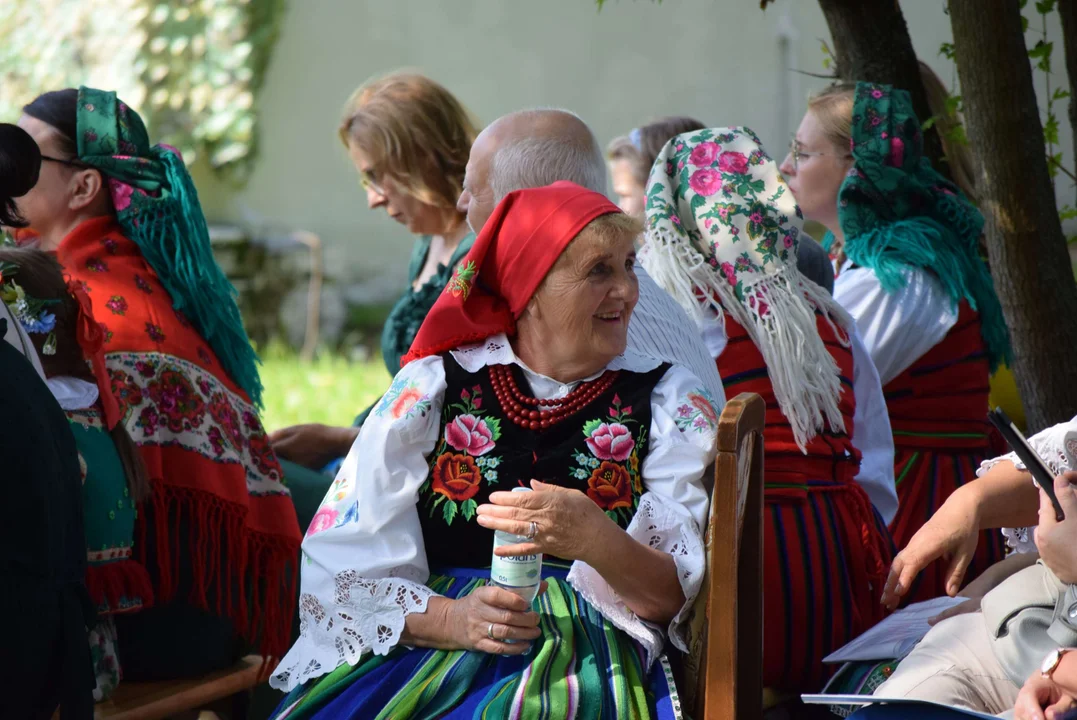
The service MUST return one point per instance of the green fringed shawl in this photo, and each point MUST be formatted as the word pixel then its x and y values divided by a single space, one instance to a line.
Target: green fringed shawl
pixel 897 213
pixel 157 207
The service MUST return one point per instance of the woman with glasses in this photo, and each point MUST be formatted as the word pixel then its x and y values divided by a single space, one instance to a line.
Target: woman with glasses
pixel 912 277
pixel 218 533
pixel 409 139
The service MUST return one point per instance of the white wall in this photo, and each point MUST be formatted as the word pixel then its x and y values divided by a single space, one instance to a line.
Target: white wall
pixel 720 61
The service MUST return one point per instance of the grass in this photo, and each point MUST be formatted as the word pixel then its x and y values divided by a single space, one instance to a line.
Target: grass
pixel 330 389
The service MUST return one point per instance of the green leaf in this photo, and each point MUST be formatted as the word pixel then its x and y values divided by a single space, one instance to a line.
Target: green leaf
pixel 947 50
pixel 930 122
pixel 1060 94
pixel 440 499
pixel 957 134
pixel 1042 51
pixel 1043 7
pixel 1068 212
pixel 495 427
pixel 1024 24
pixel 448 511
pixel 1050 130
pixel 590 426
pixel 1053 163
pixel 469 508
pixel 698 201
pixel 1021 4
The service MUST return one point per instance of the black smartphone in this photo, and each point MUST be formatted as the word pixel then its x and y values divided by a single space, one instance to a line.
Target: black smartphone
pixel 1042 474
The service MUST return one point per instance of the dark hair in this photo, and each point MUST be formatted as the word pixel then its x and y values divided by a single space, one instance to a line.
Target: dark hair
pixel 59 108
pixel 642 145
pixel 42 277
pixel 20 163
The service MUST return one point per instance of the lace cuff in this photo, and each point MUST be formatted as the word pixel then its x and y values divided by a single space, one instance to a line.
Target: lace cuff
pixel 662 525
pixel 366 614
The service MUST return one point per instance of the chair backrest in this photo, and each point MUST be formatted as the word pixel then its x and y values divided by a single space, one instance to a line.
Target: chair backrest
pixel 724 667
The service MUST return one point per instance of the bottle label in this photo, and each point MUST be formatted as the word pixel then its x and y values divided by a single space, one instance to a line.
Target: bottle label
pixel 522 571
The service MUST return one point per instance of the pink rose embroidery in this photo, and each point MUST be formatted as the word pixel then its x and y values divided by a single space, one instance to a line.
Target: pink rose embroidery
pixel 322 521
pixel 730 273
pixel 611 441
pixel 704 154
pixel 469 434
pixel 733 162
pixel 705 181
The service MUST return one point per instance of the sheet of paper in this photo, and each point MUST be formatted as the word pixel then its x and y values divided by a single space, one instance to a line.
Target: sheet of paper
pixel 871 700
pixel 895 636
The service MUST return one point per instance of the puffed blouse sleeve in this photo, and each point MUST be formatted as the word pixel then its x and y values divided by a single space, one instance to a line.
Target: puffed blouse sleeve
pixel 1057 447
pixel 363 564
pixel 672 511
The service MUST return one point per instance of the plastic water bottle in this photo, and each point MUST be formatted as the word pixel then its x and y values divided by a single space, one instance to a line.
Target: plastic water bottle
pixel 521 575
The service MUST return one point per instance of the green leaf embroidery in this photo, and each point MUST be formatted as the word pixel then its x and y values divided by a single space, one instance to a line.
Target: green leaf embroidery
pixel 448 511
pixel 590 426
pixel 495 428
pixel 469 508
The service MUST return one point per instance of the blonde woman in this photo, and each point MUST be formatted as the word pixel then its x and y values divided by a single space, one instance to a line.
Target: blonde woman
pixel 409 139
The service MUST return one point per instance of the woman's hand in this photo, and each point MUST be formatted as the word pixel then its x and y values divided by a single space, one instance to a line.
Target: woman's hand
pixel 568 524
pixel 313 445
pixel 1054 539
pixel 491 610
pixel 1041 698
pixel 952 532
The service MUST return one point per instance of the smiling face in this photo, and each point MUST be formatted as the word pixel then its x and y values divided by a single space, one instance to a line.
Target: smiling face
pixel 577 321
pixel 382 191
pixel 816 178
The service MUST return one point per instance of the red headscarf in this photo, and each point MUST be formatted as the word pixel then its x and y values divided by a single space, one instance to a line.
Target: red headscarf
pixel 527 232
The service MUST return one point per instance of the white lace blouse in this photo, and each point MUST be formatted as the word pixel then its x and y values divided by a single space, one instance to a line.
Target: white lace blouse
pixel 364 564
pixel 1057 446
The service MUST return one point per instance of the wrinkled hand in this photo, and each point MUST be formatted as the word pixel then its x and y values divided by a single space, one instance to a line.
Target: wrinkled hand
pixel 568 523
pixel 952 532
pixel 1055 539
pixel 1041 698
pixel 469 621
pixel 312 445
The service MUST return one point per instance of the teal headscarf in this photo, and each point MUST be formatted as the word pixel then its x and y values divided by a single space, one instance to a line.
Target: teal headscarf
pixel 157 207
pixel 897 212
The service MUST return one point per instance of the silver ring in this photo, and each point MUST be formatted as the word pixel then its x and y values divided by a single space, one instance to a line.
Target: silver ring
pixel 532 531
pixel 490 631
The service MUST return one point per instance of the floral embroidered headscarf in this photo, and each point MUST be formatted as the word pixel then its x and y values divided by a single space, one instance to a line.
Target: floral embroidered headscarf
pixel 897 212
pixel 157 207
pixel 722 235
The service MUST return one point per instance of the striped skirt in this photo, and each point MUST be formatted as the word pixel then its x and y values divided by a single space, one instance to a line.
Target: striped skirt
pixel 925 478
pixel 581 667
pixel 825 554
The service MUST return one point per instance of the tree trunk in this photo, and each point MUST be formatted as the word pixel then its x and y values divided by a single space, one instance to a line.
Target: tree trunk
pixel 1068 10
pixel 1029 259
pixel 872 43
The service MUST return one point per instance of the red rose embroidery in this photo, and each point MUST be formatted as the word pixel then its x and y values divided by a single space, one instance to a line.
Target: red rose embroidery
pixel 456 477
pixel 733 162
pixel 610 486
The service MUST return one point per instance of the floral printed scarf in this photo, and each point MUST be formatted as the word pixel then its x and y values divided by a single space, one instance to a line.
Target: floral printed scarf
pixel 157 207
pixel 897 212
pixel 722 235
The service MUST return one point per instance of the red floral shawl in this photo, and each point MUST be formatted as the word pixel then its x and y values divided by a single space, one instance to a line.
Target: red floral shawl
pixel 208 457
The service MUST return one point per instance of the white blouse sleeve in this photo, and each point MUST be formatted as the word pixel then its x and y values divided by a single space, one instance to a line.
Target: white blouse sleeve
pixel 672 510
pixel 871 433
pixel 898 327
pixel 363 562
pixel 1057 447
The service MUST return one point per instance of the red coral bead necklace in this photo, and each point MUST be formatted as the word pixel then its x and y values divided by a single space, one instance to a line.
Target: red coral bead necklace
pixel 535 414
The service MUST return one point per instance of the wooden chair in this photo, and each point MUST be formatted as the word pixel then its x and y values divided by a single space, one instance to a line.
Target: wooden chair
pixel 724 667
pixel 159 700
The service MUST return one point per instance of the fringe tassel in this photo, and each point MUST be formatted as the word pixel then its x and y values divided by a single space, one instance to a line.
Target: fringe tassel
pixel 252 569
pixel 805 377
pixel 109 583
pixel 175 242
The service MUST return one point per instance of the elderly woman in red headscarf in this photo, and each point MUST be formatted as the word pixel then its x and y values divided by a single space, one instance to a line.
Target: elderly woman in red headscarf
pixel 518 379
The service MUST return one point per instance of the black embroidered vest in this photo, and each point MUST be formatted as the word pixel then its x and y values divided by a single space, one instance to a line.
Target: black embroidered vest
pixel 598 451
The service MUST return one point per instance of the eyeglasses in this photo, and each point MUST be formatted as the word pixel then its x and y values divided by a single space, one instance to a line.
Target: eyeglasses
pixel 368 182
pixel 797 153
pixel 68 163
